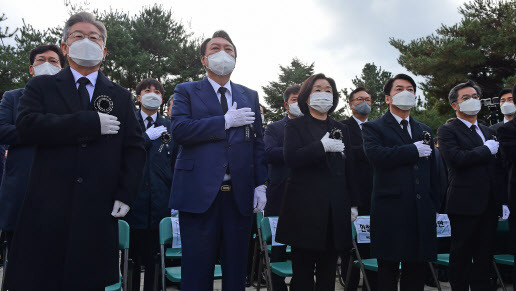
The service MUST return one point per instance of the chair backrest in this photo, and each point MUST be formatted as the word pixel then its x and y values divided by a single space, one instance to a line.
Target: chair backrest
pixel 266 230
pixel 123 235
pixel 502 228
pixel 353 231
pixel 259 217
pixel 165 231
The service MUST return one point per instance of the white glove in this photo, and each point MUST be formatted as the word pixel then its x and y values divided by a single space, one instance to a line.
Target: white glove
pixel 506 212
pixel 492 145
pixel 354 214
pixel 260 199
pixel 120 209
pixel 173 212
pixel 109 124
pixel 155 132
pixel 332 145
pixel 238 117
pixel 423 149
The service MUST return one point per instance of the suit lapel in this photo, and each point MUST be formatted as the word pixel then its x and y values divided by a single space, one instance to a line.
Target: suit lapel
pixel 473 136
pixel 238 96
pixel 68 90
pixel 208 96
pixel 417 131
pixel 140 120
pixel 355 128
pixel 396 127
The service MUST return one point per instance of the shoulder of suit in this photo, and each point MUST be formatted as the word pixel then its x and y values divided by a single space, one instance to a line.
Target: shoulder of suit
pixel 244 88
pixel 346 121
pixel 15 92
pixel 297 120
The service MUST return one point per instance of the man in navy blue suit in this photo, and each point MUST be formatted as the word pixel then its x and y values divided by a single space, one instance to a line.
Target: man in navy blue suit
pixel 220 171
pixel 44 60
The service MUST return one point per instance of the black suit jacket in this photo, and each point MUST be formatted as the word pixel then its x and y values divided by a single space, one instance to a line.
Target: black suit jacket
pixel 363 167
pixel 18 164
pixel 406 192
pixel 76 176
pixel 278 171
pixel 507 136
pixel 472 178
pixel 319 190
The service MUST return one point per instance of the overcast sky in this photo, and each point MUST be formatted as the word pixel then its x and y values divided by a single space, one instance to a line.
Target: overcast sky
pixel 339 36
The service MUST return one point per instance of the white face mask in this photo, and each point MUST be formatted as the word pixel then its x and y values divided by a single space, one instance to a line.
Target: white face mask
pixel 45 69
pixel 404 100
pixel 293 108
pixel 470 106
pixel 508 108
pixel 221 63
pixel 86 53
pixel 321 101
pixel 151 101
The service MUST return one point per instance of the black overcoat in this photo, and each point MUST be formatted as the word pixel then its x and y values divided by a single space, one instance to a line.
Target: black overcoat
pixel 319 188
pixel 406 192
pixel 66 238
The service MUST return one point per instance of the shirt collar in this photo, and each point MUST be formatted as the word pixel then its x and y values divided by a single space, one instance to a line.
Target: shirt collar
pixel 144 115
pixel 359 121
pixel 216 86
pixel 505 120
pixel 92 77
pixel 399 119
pixel 467 123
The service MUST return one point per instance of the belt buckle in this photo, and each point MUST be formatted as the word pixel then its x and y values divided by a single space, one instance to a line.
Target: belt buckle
pixel 225 188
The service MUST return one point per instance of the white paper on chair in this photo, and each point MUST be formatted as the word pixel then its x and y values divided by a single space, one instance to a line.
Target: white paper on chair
pixel 176 234
pixel 362 225
pixel 273 222
pixel 443 226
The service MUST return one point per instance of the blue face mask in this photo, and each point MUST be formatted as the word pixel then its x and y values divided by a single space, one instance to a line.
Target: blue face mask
pixel 363 108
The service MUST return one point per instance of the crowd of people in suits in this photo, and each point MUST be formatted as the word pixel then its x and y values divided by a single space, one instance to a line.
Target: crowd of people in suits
pixel 80 157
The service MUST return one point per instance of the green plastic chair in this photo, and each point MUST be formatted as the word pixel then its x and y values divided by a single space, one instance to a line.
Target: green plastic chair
pixel 502 229
pixel 173 274
pixel 282 269
pixel 123 245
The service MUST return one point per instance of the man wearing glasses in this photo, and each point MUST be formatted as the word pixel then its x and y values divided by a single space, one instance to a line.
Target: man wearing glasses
pixel 473 203
pixel 360 105
pixel 87 168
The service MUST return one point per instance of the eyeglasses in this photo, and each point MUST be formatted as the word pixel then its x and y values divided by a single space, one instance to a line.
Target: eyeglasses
pixel 360 99
pixel 467 97
pixel 77 35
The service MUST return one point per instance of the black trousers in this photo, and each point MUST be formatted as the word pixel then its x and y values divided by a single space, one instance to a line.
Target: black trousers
pixel 143 252
pixel 412 276
pixel 472 240
pixel 305 261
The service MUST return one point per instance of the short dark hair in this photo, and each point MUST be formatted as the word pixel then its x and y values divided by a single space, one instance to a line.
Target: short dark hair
pixel 170 99
pixel 454 92
pixel 218 33
pixel 147 83
pixel 359 89
pixel 294 89
pixel 306 90
pixel 505 91
pixel 514 89
pixel 45 48
pixel 388 85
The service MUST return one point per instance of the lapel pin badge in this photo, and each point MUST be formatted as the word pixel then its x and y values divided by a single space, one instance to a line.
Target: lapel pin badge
pixel 103 104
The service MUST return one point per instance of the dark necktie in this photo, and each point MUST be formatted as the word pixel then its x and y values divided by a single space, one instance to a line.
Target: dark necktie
pixel 84 96
pixel 149 121
pixel 404 123
pixel 223 100
pixel 475 133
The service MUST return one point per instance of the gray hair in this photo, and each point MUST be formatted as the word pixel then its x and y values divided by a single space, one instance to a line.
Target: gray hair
pixel 454 92
pixel 84 17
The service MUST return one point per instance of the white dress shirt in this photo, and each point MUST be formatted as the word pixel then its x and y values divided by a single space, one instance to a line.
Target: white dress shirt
pixel 360 121
pixel 399 119
pixel 229 99
pixel 469 124
pixel 228 94
pixel 505 120
pixel 144 117
pixel 92 77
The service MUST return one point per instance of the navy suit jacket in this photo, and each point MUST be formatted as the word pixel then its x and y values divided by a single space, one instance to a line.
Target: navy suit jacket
pixel 18 164
pixel 207 148
pixel 278 171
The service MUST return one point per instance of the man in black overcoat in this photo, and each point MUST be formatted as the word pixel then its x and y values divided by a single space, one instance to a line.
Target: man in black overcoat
pixel 87 168
pixel 406 193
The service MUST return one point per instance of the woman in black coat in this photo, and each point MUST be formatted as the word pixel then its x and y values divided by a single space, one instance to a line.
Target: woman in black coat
pixel 315 216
